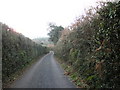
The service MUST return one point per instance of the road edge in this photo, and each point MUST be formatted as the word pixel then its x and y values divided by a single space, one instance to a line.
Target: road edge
pixel 17 75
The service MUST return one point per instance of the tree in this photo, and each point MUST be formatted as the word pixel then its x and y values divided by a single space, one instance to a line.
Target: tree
pixel 55 32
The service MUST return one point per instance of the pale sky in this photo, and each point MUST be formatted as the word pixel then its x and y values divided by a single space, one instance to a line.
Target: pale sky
pixel 31 17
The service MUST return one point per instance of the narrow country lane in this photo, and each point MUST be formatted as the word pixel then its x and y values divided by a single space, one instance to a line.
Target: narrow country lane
pixel 46 73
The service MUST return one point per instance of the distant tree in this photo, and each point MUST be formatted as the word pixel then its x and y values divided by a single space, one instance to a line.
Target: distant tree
pixel 55 32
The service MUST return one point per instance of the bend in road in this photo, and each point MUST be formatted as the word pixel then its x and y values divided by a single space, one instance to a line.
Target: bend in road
pixel 46 73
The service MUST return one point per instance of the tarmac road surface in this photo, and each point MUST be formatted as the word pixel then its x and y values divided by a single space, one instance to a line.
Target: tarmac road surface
pixel 45 73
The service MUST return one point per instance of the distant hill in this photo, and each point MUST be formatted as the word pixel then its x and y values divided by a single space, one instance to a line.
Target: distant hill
pixel 43 41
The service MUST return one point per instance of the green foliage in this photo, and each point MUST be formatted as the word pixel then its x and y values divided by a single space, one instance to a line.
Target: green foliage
pixel 55 32
pixel 93 46
pixel 17 51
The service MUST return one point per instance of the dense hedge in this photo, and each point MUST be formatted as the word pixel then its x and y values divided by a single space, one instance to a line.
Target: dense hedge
pixel 17 51
pixel 92 46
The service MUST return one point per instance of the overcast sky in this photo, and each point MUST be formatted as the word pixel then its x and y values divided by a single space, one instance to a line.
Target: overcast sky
pixel 31 17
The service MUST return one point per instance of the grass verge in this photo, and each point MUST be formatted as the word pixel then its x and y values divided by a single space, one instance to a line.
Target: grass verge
pixel 72 74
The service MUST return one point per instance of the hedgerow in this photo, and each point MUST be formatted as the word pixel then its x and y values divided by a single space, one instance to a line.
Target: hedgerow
pixel 92 46
pixel 17 51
